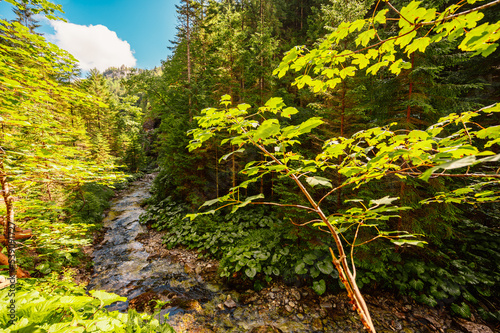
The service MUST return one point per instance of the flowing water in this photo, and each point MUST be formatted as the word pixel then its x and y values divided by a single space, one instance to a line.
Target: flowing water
pixel 123 265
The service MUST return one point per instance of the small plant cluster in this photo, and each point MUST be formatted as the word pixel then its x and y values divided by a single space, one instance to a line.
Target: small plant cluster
pixel 251 244
pixel 59 305
pixel 462 274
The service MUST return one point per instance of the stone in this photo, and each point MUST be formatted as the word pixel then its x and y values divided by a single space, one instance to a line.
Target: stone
pixel 407 308
pixel 265 329
pixel 272 295
pixel 471 327
pixel 292 304
pixel 326 305
pixel 288 308
pixel 238 313
pixel 317 324
pixel 230 303
pixel 296 294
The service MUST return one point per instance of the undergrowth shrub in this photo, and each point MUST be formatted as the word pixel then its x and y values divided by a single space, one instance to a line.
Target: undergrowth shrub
pixel 251 244
pixel 461 272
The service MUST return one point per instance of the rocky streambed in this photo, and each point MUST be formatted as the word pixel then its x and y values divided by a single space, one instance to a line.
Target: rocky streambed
pixel 131 261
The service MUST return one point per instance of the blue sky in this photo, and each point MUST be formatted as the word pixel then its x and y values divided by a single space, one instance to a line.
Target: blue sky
pixel 106 32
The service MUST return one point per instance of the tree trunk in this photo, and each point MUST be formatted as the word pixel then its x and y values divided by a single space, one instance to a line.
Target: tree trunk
pixel 342 109
pixel 408 109
pixel 9 227
pixel 233 174
pixel 261 80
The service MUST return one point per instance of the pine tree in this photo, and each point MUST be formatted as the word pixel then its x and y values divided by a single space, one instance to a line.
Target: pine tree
pixel 24 16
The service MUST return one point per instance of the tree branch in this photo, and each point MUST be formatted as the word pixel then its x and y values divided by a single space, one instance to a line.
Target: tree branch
pixel 493 3
pixel 458 175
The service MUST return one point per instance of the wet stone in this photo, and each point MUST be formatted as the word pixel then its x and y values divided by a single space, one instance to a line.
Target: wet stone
pixel 238 313
pixel 230 303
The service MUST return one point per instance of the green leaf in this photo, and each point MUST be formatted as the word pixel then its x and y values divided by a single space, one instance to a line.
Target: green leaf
pixel 451 288
pixel 289 111
pixel 384 201
pixel 309 124
pixel 301 268
pixel 251 272
pixel 275 103
pixel 316 180
pixel 225 157
pixel 380 17
pixel 412 242
pixel 326 267
pixel 319 287
pixel 429 300
pixel 107 298
pixel 309 258
pixel 460 163
pixel 462 310
pixel 209 203
pixel 416 284
pixel 269 127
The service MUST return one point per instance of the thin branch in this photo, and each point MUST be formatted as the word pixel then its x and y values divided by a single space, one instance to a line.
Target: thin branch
pixel 369 241
pixel 493 3
pixel 458 175
pixel 345 184
pixel 352 251
pixel 283 205
pixel 397 11
pixel 306 223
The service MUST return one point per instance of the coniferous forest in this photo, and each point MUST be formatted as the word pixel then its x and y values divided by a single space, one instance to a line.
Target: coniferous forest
pixel 343 147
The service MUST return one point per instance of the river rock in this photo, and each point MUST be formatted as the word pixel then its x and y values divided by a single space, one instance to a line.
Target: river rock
pixel 238 313
pixel 317 324
pixel 326 305
pixel 265 329
pixel 230 303
pixel 471 327
pixel 295 294
pixel 188 269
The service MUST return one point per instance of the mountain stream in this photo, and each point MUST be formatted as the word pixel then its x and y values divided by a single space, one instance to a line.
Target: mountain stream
pixel 126 263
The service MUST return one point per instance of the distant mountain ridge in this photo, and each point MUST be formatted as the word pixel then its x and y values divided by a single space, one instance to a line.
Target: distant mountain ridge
pixel 121 72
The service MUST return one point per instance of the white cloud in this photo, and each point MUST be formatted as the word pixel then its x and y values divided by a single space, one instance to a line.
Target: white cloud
pixel 94 46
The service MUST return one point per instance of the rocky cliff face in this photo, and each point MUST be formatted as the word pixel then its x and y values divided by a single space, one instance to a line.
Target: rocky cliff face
pixel 120 72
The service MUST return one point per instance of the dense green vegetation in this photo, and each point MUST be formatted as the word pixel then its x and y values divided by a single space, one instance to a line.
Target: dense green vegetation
pixel 53 304
pixel 402 72
pixel 64 143
pixel 303 129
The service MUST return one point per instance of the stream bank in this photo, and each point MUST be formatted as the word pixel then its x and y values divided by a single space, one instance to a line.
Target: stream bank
pixel 131 261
